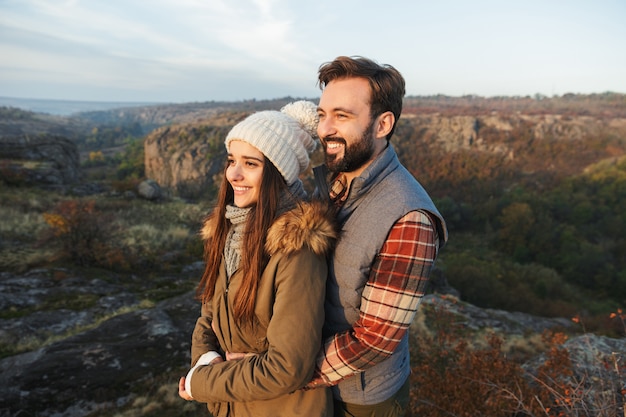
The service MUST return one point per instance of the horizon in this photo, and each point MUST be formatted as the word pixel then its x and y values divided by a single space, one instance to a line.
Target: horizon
pixel 141 103
pixel 67 107
pixel 240 50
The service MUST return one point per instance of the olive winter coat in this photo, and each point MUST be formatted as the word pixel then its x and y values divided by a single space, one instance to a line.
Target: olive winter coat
pixel 286 335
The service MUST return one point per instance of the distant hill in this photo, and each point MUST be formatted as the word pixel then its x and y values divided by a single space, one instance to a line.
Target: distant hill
pixel 66 107
pixel 15 122
pixel 151 117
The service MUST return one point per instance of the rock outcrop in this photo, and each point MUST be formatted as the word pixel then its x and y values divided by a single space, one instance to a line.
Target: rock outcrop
pixel 41 159
pixel 495 133
pixel 99 364
pixel 186 158
pixel 102 361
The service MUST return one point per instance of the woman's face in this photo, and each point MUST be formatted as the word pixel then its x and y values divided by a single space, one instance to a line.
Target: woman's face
pixel 245 172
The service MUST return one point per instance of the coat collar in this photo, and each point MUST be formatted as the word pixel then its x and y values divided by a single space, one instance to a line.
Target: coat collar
pixel 309 224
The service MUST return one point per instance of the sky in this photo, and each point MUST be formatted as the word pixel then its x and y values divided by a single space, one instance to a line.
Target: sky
pixel 176 51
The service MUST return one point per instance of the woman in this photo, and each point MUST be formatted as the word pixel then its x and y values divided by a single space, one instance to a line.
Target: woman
pixel 263 287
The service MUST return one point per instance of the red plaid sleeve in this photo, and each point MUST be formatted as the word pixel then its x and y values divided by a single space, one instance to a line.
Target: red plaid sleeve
pixel 389 301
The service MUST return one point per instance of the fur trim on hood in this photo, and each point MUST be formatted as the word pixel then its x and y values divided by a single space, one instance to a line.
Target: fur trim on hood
pixel 309 224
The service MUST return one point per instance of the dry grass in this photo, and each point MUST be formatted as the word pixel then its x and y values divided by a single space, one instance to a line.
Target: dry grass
pixel 456 372
pixel 41 227
pixel 453 376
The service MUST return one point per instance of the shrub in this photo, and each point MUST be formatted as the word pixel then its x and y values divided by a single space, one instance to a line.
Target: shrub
pixel 450 378
pixel 81 230
pixel 453 376
pixel 132 161
pixel 12 174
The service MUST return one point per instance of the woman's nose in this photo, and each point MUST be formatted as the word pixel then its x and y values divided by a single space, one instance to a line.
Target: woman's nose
pixel 233 172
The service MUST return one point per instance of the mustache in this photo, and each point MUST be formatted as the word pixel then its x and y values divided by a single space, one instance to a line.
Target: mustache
pixel 337 139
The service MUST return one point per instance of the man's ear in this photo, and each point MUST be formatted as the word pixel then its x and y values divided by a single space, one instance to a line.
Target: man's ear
pixel 384 124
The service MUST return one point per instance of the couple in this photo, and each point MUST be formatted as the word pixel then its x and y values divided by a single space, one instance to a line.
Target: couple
pixel 306 304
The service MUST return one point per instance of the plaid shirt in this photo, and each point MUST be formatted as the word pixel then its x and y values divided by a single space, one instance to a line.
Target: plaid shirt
pixel 389 302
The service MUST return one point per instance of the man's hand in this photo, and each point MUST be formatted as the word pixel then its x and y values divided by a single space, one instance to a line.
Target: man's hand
pixel 316 382
pixel 234 356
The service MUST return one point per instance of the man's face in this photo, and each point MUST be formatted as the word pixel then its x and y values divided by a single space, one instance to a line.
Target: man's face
pixel 344 157
pixel 346 129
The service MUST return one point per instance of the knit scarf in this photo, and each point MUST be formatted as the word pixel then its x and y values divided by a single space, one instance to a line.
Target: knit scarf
pixel 232 249
pixel 238 217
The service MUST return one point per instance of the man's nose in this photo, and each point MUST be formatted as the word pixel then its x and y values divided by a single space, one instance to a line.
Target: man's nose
pixel 325 128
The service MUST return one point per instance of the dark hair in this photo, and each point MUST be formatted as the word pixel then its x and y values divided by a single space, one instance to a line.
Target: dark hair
pixel 253 255
pixel 386 83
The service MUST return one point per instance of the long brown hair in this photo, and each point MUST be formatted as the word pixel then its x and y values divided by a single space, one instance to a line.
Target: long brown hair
pixel 253 255
pixel 386 83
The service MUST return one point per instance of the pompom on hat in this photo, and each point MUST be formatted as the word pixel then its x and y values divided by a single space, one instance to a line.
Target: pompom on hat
pixel 286 137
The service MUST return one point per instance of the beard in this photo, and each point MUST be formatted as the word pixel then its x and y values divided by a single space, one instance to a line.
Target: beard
pixel 355 155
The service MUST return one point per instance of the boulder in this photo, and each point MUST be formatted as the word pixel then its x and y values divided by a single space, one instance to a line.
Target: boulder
pixel 150 190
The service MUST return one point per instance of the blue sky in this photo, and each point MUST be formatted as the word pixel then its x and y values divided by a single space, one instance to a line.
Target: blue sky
pixel 202 50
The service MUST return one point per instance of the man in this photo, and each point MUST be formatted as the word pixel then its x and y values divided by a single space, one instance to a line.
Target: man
pixel 390 236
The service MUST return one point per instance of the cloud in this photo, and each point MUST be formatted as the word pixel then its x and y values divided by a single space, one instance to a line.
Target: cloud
pixel 163 48
pixel 143 45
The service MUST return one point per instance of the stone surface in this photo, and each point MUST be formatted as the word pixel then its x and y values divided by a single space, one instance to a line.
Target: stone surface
pixel 179 158
pixel 150 190
pixel 188 158
pixel 95 363
pixel 101 360
pixel 41 159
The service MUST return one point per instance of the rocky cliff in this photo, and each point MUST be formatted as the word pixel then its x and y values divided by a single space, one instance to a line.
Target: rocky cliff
pixel 186 157
pixel 184 167
pixel 42 159
pixel 491 133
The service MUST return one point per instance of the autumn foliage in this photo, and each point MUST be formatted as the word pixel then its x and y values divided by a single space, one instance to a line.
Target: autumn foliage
pixel 453 376
pixel 81 231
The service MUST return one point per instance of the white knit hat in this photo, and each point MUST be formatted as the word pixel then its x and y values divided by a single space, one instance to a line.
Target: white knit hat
pixel 285 137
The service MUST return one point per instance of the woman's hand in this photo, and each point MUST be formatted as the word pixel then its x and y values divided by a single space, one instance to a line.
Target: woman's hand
pixel 181 390
pixel 208 358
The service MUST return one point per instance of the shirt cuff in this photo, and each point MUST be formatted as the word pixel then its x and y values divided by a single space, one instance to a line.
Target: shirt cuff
pixel 204 360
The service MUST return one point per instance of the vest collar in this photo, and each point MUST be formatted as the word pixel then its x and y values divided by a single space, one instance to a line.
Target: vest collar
pixel 386 162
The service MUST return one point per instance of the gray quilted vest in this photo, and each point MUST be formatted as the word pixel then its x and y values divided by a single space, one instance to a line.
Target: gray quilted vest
pixel 383 194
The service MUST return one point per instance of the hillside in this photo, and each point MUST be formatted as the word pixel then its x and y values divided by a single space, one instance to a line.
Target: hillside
pixel 151 117
pixel 513 173
pixel 499 169
pixel 97 282
pixel 16 122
